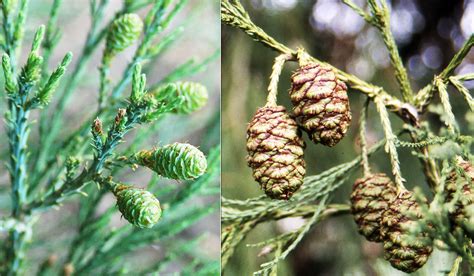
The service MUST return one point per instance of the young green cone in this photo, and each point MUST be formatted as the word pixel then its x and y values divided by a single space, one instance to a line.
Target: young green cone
pixel 275 152
pixel 123 32
pixel 320 103
pixel 140 207
pixel 176 161
pixel 194 95
pixel 369 199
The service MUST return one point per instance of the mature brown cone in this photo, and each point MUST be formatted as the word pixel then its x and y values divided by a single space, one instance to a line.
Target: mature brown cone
pixel 275 152
pixel 401 250
pixel 320 103
pixel 461 214
pixel 370 197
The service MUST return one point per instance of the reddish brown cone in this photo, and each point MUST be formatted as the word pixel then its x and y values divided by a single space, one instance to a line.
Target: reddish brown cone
pixel 275 152
pixel 369 199
pixel 462 214
pixel 401 250
pixel 320 103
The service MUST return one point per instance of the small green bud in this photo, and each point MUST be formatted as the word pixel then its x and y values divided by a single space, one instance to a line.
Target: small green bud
pixel 97 127
pixel 98 137
pixel 123 32
pixel 140 207
pixel 175 161
pixel 194 95
pixel 138 84
pixel 120 119
pixel 38 39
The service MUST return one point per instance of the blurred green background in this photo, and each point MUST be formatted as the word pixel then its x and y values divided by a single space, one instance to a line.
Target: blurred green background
pixel 200 40
pixel 428 34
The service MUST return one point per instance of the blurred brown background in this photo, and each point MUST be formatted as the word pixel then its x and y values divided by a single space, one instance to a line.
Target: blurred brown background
pixel 428 34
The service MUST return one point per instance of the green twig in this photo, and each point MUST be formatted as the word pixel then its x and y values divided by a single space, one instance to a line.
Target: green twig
pixel 274 78
pixel 381 20
pixel 390 147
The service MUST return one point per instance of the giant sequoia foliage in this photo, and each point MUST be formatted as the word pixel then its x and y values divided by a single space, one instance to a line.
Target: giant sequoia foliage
pixel 84 163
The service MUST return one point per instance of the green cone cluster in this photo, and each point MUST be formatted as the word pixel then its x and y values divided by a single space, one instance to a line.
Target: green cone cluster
pixel 401 250
pixel 141 208
pixel 320 103
pixel 175 161
pixel 194 95
pixel 123 32
pixel 369 199
pixel 275 152
pixel 462 216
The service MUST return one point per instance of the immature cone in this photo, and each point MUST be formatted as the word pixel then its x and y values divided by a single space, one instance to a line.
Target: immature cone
pixel 139 207
pixel 123 32
pixel 369 199
pixel 462 214
pixel 194 95
pixel 320 103
pixel 404 252
pixel 175 161
pixel 275 152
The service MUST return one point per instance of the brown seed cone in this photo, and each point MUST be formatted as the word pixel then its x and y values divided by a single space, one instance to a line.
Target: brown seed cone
pixel 369 199
pixel 461 213
pixel 320 103
pixel 275 152
pixel 402 251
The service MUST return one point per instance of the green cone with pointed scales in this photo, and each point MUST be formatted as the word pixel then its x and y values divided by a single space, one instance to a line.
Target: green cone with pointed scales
pixel 123 32
pixel 194 95
pixel 175 161
pixel 140 207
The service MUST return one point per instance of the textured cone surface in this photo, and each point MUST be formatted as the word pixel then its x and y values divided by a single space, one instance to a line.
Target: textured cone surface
pixel 462 214
pixel 176 161
pixel 275 152
pixel 139 207
pixel 194 95
pixel 401 250
pixel 369 199
pixel 124 31
pixel 320 103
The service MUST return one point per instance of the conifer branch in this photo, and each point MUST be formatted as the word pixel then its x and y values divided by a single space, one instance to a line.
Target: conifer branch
pixel 71 168
pixel 234 14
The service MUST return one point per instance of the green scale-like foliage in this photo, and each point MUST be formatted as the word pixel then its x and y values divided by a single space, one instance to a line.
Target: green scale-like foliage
pixel 176 161
pixel 140 207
